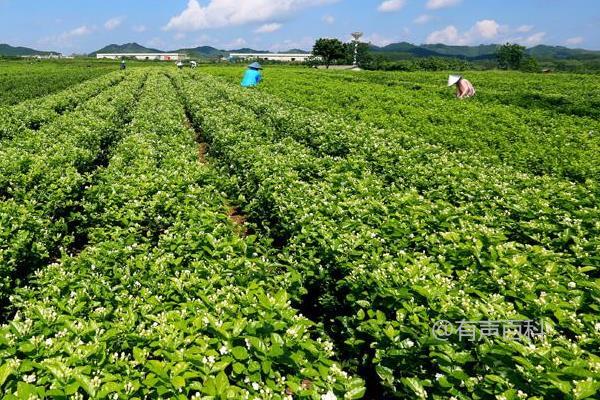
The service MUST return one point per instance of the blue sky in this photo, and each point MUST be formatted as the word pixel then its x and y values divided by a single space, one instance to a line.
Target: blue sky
pixel 72 26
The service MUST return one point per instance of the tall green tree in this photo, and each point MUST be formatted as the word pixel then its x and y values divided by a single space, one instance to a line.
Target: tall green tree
pixel 510 56
pixel 330 50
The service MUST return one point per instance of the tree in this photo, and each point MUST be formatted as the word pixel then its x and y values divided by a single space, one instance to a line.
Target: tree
pixel 529 64
pixel 510 56
pixel 329 50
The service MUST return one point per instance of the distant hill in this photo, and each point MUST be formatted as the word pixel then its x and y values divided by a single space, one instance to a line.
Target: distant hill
pixel 198 52
pixel 297 51
pixel 202 52
pixel 559 52
pixel 247 50
pixel 393 51
pixel 403 50
pixel 471 52
pixel 125 48
pixel 8 50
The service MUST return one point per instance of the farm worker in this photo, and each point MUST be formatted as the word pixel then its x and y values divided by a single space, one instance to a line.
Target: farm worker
pixel 123 66
pixel 464 88
pixel 252 76
pixel 179 64
pixel 193 64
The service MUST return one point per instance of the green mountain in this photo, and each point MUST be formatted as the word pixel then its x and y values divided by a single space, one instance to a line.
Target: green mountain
pixel 203 52
pixel 393 51
pixel 402 50
pixel 7 50
pixel 471 52
pixel 247 50
pixel 125 48
pixel 297 51
pixel 560 52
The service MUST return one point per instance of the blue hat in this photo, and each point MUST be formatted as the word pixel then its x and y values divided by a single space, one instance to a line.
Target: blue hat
pixel 255 65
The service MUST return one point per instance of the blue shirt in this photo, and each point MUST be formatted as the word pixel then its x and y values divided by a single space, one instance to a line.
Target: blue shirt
pixel 251 77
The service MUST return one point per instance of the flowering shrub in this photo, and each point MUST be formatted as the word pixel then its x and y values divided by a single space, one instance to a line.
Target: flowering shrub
pixel 43 175
pixel 511 121
pixel 391 234
pixel 167 300
pixel 32 114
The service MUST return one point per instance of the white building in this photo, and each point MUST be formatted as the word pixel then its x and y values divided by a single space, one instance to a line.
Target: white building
pixel 144 56
pixel 284 57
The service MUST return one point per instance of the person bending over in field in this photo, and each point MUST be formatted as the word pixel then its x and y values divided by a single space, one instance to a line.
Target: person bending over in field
pixel 123 66
pixel 252 76
pixel 464 88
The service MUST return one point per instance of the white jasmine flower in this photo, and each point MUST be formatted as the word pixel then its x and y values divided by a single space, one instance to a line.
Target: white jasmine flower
pixel 329 396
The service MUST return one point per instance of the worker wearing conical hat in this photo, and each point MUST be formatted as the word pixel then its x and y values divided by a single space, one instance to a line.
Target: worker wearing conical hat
pixel 252 76
pixel 464 88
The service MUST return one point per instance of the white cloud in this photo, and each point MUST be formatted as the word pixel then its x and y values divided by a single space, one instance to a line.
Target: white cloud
pixel 305 43
pixel 535 39
pixel 268 28
pixel 239 42
pixel 448 35
pixel 155 42
pixel 574 41
pixel 140 28
pixel 81 31
pixel 328 19
pixel 65 39
pixel 179 36
pixel 437 4
pixel 378 40
pixel 487 29
pixel 222 13
pixel 483 31
pixel 113 23
pixel 524 28
pixel 423 19
pixel 391 5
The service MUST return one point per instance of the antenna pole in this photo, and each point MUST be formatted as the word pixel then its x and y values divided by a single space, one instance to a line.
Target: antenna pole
pixel 356 36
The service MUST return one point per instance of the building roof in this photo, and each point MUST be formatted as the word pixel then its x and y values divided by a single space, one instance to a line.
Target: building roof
pixel 270 54
pixel 141 54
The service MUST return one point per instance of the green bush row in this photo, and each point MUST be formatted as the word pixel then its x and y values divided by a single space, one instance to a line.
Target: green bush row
pixel 167 300
pixel 540 140
pixel 33 114
pixel 385 253
pixel 43 175
pixel 23 80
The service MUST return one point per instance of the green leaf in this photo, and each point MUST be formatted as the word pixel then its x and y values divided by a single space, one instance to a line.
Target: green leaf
pixel 356 389
pixel 563 386
pixel 86 383
pixel 238 368
pixel 240 353
pixel 385 373
pixel 138 355
pixel 585 389
pixel 178 381
pixel 5 371
pixel 221 383
pixel 415 385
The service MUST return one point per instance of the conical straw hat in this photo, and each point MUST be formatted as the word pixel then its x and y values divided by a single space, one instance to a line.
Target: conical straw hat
pixel 452 79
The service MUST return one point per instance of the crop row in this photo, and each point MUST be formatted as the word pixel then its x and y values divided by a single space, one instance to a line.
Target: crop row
pixel 533 140
pixel 33 114
pixel 537 210
pixel 43 175
pixel 385 253
pixel 167 300
pixel 23 80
